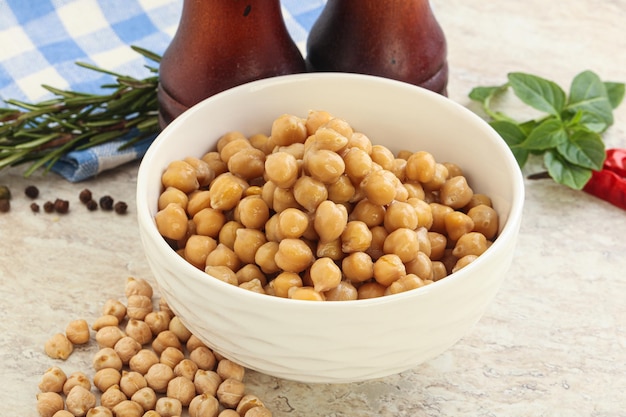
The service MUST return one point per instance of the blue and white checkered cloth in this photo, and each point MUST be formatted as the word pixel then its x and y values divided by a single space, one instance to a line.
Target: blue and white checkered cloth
pixel 41 40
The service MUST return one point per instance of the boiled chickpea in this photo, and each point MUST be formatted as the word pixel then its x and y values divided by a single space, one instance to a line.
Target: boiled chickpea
pixel 228 137
pixel 358 267
pixel 228 232
pixel 330 220
pixel 439 213
pixel 472 243
pixel 388 268
pixel 379 187
pixel 223 256
pixel 262 142
pixel 226 191
pixel 247 242
pixel 324 165
pixel 282 169
pixel 403 243
pixel 204 172
pixel 331 249
pixel 421 166
pixel 223 273
pixel 309 192
pixel 181 175
pixel 330 139
pixel 305 293
pixel 284 199
pixel 172 195
pixel 292 223
pixel 379 234
pixel 463 262
pixel 172 221
pixel 213 160
pixel 439 178
pixel 371 290
pixel 232 147
pixel 438 244
pixel 455 192
pixel 198 248
pixel 356 237
pixel 358 164
pixel 315 119
pixel 400 215
pixel 325 274
pixel 248 163
pixel 485 220
pixel 283 282
pixel 342 190
pixel 457 224
pixel 287 129
pixel 293 255
pixel 369 213
pixel 439 270
pixel 421 266
pixel 405 283
pixel 265 257
pixel 383 157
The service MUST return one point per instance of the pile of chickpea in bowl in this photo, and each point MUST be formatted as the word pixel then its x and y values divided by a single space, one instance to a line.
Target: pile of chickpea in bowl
pixel 258 202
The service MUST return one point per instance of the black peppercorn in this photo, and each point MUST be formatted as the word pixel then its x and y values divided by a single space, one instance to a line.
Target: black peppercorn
pixel 106 202
pixel 31 191
pixel 34 207
pixel 85 196
pixel 48 207
pixel 121 207
pixel 91 205
pixel 61 206
pixel 5 205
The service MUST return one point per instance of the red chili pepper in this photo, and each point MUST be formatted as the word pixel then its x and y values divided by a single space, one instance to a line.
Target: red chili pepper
pixel 609 183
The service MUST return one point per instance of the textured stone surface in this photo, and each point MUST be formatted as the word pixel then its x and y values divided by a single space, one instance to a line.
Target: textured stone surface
pixel 552 343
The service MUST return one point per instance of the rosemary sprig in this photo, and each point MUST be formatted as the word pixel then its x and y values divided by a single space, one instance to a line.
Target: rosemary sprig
pixel 41 133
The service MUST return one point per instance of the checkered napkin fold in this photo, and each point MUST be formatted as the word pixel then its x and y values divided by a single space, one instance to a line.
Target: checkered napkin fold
pixel 43 39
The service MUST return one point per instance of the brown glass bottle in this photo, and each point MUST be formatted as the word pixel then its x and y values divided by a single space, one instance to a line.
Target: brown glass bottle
pixel 220 44
pixel 398 39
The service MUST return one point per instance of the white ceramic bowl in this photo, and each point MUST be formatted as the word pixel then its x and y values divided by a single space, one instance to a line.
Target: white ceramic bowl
pixel 336 341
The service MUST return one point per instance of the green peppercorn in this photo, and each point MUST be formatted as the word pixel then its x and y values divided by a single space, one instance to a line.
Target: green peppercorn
pixel 31 191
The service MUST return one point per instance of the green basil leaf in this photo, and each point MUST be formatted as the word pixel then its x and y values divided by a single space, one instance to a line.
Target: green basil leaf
pixel 482 94
pixel 514 137
pixel 528 126
pixel 588 93
pixel 592 122
pixel 615 91
pixel 564 172
pixel 585 149
pixel 537 92
pixel 549 134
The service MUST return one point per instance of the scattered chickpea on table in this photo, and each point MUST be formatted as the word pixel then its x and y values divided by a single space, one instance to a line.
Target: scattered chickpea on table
pixel 148 364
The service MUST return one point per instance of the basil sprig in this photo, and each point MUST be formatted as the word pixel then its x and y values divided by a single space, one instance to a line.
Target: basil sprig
pixel 568 135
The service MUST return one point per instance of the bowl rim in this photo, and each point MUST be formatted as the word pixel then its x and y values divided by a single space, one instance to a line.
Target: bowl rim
pixel 508 231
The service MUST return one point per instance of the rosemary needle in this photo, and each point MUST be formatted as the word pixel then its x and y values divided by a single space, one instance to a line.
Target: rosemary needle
pixel 41 133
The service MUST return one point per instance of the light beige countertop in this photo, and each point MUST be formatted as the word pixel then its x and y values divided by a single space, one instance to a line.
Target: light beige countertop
pixel 553 343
